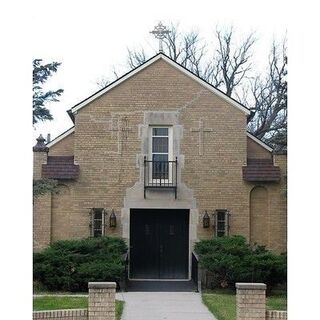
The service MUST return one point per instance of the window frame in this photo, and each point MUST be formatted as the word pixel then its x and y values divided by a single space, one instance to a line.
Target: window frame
pixel 93 212
pixel 226 222
pixel 169 153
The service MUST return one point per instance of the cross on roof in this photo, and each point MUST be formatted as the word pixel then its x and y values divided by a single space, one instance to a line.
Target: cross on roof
pixel 160 32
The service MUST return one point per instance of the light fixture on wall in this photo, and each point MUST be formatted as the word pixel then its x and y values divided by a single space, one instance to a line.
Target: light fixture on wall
pixel 206 220
pixel 113 220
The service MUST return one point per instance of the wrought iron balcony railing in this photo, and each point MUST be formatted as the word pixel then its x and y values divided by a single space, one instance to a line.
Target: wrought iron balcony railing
pixel 160 174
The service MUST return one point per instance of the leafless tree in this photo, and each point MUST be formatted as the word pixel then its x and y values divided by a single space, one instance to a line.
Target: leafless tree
pixel 226 68
pixel 135 58
pixel 231 62
pixel 270 100
pixel 102 82
pixel 229 68
pixel 187 49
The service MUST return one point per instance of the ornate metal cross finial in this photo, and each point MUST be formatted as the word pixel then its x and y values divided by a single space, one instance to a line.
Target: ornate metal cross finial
pixel 159 32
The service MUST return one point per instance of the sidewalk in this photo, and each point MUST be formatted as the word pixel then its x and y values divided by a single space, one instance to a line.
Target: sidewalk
pixel 164 306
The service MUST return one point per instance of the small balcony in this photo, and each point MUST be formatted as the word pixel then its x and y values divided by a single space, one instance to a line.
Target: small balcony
pixel 160 175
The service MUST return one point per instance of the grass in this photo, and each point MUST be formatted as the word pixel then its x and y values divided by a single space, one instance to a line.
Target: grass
pixel 119 309
pixel 68 302
pixel 56 303
pixel 222 302
pixel 277 300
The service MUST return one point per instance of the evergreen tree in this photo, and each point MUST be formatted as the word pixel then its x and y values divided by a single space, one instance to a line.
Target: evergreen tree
pixel 41 73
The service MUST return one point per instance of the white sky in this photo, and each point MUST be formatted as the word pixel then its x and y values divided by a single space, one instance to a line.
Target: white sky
pixel 89 39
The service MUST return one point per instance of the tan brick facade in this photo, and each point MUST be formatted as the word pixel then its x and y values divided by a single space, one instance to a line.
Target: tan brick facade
pixel 107 146
pixel 64 148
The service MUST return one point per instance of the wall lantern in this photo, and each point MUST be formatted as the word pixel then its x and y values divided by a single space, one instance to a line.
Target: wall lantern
pixel 206 220
pixel 113 220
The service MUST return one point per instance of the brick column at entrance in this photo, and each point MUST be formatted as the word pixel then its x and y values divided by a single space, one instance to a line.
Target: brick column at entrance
pixel 251 301
pixel 101 304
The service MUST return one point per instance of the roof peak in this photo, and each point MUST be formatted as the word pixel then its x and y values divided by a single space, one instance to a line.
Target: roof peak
pixel 156 57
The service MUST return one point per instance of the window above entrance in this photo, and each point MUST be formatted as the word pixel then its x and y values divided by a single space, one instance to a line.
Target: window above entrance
pixel 160 169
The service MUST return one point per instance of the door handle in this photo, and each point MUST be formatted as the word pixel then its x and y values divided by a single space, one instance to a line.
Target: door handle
pixel 161 248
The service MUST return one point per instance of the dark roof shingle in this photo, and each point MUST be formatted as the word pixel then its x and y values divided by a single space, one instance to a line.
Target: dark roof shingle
pixel 60 167
pixel 261 170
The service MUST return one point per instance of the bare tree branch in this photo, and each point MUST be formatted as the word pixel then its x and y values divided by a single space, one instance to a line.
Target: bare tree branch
pixel 136 58
pixel 270 100
pixel 232 63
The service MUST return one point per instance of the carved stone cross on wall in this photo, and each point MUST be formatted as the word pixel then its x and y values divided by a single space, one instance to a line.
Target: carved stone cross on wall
pixel 120 127
pixel 201 131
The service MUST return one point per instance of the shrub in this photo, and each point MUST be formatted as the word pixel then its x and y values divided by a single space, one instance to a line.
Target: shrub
pixel 69 265
pixel 231 260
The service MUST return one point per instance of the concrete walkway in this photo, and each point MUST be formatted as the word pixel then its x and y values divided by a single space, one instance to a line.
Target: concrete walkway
pixel 164 306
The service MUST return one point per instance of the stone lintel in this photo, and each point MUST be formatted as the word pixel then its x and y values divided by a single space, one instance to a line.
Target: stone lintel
pixel 251 286
pixel 102 285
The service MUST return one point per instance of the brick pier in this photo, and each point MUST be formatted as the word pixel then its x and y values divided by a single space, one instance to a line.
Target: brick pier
pixel 251 301
pixel 101 304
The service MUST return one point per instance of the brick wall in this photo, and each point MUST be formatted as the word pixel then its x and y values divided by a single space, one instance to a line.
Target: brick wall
pixel 108 157
pixel 71 314
pixel 259 215
pixel 39 158
pixel 101 305
pixel 108 169
pixel 41 221
pixel 62 206
pixel 256 151
pixel 64 147
pixel 274 315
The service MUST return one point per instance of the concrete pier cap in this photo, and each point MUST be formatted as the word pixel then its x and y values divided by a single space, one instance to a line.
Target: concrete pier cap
pixel 251 286
pixel 101 285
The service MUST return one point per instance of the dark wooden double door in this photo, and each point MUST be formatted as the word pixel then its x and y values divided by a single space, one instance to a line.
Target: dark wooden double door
pixel 159 244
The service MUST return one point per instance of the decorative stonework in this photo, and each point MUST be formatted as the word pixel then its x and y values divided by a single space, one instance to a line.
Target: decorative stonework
pixel 164 199
pixel 119 127
pixel 40 146
pixel 201 130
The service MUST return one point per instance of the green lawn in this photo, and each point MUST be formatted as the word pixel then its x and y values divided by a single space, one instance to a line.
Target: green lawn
pixel 68 302
pixel 222 302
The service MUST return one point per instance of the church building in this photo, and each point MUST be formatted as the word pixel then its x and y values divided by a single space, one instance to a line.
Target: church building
pixel 162 159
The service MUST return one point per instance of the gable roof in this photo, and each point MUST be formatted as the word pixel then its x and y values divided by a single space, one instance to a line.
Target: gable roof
pixel 147 63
